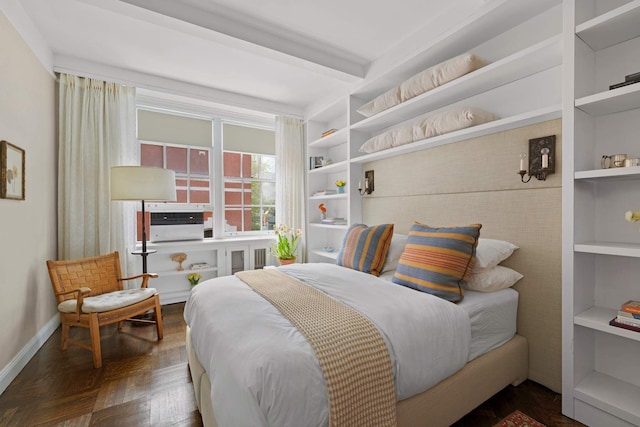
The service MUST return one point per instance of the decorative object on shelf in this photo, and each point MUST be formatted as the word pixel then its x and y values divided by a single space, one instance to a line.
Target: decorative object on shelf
pixel 143 183
pixel 329 249
pixel 632 216
pixel 629 79
pixel 198 266
pixel 341 186
pixel 613 161
pixel 180 257
pixel 326 162
pixel 542 153
pixel 315 162
pixel 194 278
pixel 285 247
pixel 328 132
pixel 368 184
pixel 323 210
pixel 12 171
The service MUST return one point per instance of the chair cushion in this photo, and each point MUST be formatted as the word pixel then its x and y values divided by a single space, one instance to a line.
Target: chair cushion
pixel 109 301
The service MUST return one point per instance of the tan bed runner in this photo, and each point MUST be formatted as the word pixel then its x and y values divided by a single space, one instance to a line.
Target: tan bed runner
pixel 352 354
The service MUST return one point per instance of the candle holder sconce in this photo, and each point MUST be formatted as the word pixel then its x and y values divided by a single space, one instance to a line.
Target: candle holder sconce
pixel 542 158
pixel 368 184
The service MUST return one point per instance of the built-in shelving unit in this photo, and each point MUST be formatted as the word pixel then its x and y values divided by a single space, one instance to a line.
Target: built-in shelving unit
pixel 222 256
pixel 521 84
pixel 601 251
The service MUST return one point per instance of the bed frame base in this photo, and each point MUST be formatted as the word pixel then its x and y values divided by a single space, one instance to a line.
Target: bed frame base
pixel 441 405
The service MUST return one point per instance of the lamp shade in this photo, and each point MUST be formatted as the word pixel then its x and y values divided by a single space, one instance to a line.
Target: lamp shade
pixel 142 183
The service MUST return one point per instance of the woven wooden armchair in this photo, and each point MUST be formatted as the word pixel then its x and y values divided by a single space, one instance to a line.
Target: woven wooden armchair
pixel 91 294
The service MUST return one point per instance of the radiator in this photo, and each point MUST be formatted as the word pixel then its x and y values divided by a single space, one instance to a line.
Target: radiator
pixel 259 258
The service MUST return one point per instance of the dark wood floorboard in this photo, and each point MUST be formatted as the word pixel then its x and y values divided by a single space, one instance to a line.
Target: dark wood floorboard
pixel 146 383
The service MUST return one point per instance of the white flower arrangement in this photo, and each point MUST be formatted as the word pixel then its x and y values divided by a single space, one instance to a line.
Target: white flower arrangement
pixel 632 216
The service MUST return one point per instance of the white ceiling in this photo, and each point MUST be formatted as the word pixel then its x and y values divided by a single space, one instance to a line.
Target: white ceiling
pixel 275 54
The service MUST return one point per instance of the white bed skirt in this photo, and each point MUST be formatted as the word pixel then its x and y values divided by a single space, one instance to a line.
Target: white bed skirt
pixel 441 405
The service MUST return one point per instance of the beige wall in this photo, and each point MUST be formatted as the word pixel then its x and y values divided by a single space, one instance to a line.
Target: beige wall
pixel 27 228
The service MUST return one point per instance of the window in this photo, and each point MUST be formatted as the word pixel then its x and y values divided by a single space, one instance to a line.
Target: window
pixel 249 191
pixel 191 165
pixel 240 178
pixel 249 165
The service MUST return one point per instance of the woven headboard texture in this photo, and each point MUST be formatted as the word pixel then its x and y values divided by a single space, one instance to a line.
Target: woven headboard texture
pixel 476 181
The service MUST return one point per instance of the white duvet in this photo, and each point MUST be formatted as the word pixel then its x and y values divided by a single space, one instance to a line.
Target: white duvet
pixel 264 373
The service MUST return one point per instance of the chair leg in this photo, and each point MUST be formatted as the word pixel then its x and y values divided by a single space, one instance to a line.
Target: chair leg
pixel 65 336
pixel 94 329
pixel 120 325
pixel 158 311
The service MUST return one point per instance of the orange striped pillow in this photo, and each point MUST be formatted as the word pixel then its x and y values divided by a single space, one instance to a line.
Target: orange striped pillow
pixel 438 260
pixel 365 248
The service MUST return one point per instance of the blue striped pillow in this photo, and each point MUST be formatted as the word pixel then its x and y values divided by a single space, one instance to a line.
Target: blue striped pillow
pixel 365 248
pixel 438 260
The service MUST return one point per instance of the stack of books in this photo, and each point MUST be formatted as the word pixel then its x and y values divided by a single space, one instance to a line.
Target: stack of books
pixel 328 132
pixel 334 221
pixel 628 316
pixel 628 80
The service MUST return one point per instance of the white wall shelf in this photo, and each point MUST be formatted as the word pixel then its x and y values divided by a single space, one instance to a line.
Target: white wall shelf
pixel 486 24
pixel 329 255
pixel 609 248
pixel 611 28
pixel 333 140
pixel 189 271
pixel 614 101
pixel 611 395
pixel 329 197
pixel 332 168
pixel 598 318
pixel 329 226
pixel 524 119
pixel 534 59
pixel 610 174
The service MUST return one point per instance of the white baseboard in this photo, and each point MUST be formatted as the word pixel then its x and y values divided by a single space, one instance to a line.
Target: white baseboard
pixel 13 368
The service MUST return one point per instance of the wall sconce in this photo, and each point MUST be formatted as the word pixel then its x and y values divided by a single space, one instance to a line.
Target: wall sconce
pixel 368 184
pixel 542 158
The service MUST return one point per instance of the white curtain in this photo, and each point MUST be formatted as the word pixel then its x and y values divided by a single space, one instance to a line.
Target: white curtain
pixel 97 131
pixel 290 179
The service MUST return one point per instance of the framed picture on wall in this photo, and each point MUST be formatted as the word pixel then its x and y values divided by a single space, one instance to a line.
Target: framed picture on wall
pixel 11 171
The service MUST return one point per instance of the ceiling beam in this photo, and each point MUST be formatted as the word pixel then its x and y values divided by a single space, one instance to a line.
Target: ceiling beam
pixel 292 49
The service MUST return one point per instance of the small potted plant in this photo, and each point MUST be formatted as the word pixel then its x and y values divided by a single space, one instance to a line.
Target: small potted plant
pixel 341 185
pixel 194 278
pixel 285 247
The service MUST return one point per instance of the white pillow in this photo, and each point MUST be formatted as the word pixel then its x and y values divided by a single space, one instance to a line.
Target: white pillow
pixel 389 139
pixel 493 279
pixel 451 120
pixel 491 252
pixel 380 103
pixel 440 74
pixel 395 251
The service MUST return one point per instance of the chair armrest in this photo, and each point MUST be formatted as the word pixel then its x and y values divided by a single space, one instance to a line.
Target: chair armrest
pixel 81 293
pixel 145 278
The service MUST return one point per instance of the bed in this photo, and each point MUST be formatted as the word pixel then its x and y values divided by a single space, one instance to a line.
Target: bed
pixel 494 356
pixel 527 215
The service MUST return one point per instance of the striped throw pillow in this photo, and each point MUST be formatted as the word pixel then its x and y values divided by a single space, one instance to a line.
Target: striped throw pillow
pixel 365 248
pixel 438 260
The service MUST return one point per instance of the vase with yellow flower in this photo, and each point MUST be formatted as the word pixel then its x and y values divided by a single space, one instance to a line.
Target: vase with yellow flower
pixel 194 278
pixel 286 244
pixel 340 184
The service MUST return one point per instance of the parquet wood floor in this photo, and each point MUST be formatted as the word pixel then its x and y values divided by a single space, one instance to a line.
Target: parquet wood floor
pixel 146 383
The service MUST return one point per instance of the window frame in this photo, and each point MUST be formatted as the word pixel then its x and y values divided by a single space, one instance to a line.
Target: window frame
pixel 216 167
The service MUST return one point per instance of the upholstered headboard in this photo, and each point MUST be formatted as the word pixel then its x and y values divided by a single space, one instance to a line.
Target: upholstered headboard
pixel 476 181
